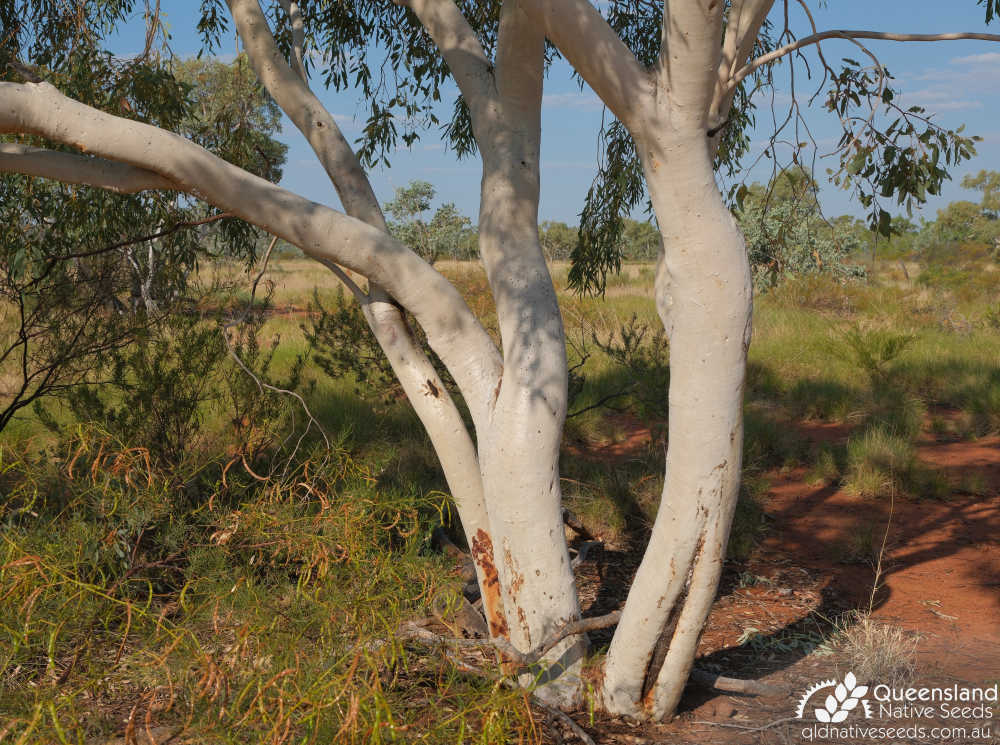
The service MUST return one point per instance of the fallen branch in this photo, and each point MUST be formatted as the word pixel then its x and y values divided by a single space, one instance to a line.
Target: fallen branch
pixel 566 719
pixel 412 630
pixel 735 685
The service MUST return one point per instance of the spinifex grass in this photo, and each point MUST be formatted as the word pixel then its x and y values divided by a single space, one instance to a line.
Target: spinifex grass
pixel 227 608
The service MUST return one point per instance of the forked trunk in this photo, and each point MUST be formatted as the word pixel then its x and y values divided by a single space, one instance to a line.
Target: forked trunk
pixel 703 295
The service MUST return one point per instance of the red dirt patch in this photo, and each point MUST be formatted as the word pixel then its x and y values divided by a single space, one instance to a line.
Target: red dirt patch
pixel 940 578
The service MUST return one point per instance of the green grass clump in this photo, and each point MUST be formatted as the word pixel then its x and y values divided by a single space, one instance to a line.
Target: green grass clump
pixel 824 469
pixel 877 463
pixel 749 519
pixel 882 463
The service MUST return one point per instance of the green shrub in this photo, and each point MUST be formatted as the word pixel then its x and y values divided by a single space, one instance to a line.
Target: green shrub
pixel 263 612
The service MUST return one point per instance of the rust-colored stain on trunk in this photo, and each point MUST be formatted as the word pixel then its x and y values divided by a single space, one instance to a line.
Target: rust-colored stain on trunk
pixel 516 582
pixel 482 554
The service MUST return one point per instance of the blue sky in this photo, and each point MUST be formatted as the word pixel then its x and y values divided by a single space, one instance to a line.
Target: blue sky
pixel 956 80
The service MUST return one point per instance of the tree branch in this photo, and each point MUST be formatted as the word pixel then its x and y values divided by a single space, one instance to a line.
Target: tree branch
pixel 594 49
pixel 298 37
pixel 690 58
pixel 293 96
pixel 850 35
pixel 461 50
pixel 479 371
pixel 319 231
pixel 744 22
pixel 70 168
pixel 520 64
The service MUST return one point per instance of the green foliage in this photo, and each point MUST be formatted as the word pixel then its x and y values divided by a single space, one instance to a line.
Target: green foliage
pixel 786 234
pixel 643 351
pixel 557 240
pixel 448 233
pixel 229 113
pixel 882 463
pixel 91 270
pixel 343 345
pixel 161 392
pixel 906 159
pixel 874 350
pixel 260 609
pixel 153 392
pixel 617 189
pixel 637 241
pixel 987 182
pixel 749 520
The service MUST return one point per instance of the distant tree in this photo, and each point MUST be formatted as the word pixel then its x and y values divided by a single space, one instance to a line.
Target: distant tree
pixel 445 234
pixel 557 239
pixel 641 240
pixel 959 221
pixel 786 234
pixel 961 228
pixel 987 182
pixel 795 183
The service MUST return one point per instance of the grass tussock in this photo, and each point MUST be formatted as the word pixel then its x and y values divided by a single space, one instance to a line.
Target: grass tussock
pixel 883 463
pixel 876 651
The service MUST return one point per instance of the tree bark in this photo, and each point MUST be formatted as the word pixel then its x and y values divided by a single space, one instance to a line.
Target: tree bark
pixel 703 295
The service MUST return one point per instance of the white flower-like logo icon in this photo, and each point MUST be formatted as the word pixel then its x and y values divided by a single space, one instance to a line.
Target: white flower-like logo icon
pixel 838 705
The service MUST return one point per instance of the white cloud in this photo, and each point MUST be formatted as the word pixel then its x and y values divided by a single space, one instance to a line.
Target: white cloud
pixel 988 58
pixel 940 99
pixel 953 86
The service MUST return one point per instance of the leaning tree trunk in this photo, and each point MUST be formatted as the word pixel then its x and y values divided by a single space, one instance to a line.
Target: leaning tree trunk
pixel 703 295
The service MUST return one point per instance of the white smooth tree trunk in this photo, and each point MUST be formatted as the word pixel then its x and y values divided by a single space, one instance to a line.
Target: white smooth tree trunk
pixel 519 450
pixel 507 486
pixel 520 434
pixel 703 295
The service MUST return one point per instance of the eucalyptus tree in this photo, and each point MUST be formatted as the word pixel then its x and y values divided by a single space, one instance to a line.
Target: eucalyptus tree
pixel 680 80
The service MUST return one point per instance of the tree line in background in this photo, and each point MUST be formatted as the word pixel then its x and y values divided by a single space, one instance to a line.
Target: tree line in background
pixel 786 230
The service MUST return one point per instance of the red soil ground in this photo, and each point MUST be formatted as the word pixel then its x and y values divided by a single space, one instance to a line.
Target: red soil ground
pixel 939 579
